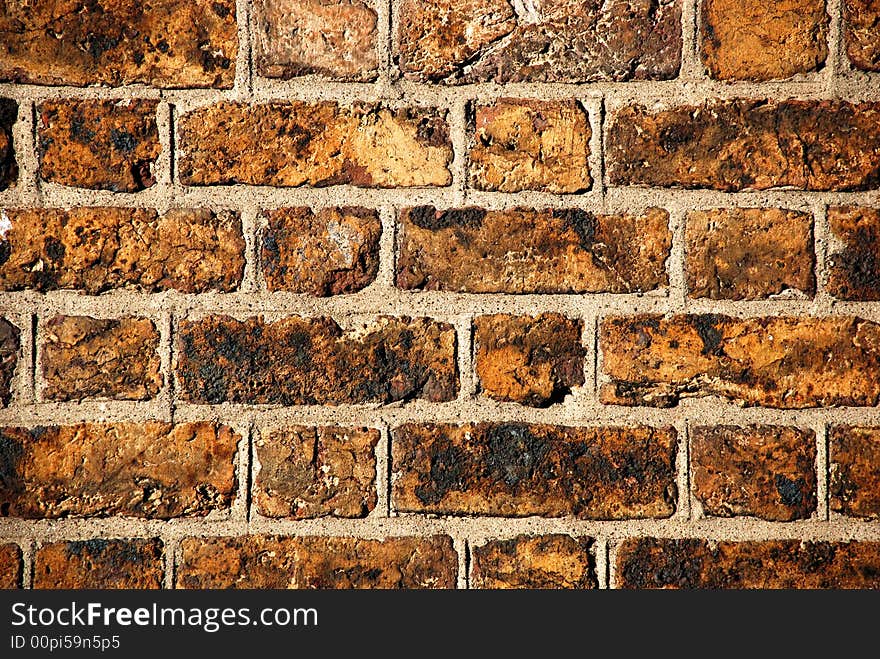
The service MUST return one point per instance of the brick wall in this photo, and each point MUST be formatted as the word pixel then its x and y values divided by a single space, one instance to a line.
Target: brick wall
pixel 463 293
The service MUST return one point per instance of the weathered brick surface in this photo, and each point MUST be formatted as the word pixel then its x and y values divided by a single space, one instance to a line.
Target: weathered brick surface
pixel 747 144
pixel 103 145
pixel 147 469
pixel 534 360
pixel 335 39
pixel 316 472
pixel 650 563
pixel 86 357
pixel 854 268
pixel 757 40
pixel 98 249
pixel 299 143
pixel 317 563
pixel 462 41
pixel 10 343
pixel 782 362
pixel 749 253
pixel 473 250
pixel 8 167
pixel 299 361
pixel 545 561
pixel 862 33
pixel 517 470
pixel 98 563
pixel 854 461
pixel 531 145
pixel 166 43
pixel 10 567
pixel 763 471
pixel 328 252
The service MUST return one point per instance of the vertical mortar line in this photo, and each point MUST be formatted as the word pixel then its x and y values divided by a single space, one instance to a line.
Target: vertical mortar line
pixel 611 548
pixel 383 42
pixel 389 468
pixel 588 341
pixel 691 67
pixel 244 64
pixel 168 575
pixel 165 174
pixel 467 375
pixel 241 507
pixel 461 551
pixel 459 122
pixel 251 226
pixel 596 374
pixel 836 65
pixel 683 471
pixel 165 361
pixel 28 553
pixel 676 264
pixel 172 372
pixel 822 239
pixel 24 142
pixel 595 108
pixel 385 278
pixel 823 495
pixel 600 549
pixel 383 475
pixel 33 347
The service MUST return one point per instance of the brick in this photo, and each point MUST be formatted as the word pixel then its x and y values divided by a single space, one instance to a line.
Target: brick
pixel 317 563
pixel 166 43
pixel 99 249
pixel 335 39
pixel 10 567
pixel 767 472
pixel 533 360
pixel 316 472
pixel 862 33
pixel 518 470
pixel 466 41
pixel 102 145
pixel 86 357
pixel 749 253
pixel 854 269
pixel 312 361
pixel 546 561
pixel 781 362
pixel 10 344
pixel 756 40
pixel 652 563
pixel 298 143
pixel 747 145
pixel 105 564
pixel 854 462
pixel 522 250
pixel 328 252
pixel 8 167
pixel 531 145
pixel 150 469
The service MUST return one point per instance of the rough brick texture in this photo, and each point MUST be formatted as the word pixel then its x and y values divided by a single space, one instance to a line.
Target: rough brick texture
pixel 10 567
pixel 862 33
pixel 98 563
pixel 317 563
pixel 854 269
pixel 317 144
pixel 461 41
pixel 8 167
pixel 771 361
pixel 548 561
pixel 316 472
pixel 529 360
pixel 166 43
pixel 98 249
pixel 10 345
pixel 748 145
pixel 473 250
pixel 86 357
pixel 147 469
pixel 518 470
pixel 650 563
pixel 854 461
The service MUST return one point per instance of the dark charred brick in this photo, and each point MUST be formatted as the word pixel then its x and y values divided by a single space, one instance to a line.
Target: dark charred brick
pixel 105 564
pixel 854 461
pixel 854 270
pixel 8 116
pixel 10 567
pixel 10 337
pixel 862 33
pixel 544 561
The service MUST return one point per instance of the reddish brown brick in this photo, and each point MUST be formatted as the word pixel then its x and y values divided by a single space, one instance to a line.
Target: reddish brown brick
pixel 763 471
pixel 149 469
pixel 757 40
pixel 472 250
pixel 531 145
pixel 334 38
pixel 748 145
pixel 86 357
pixel 462 41
pixel 749 253
pixel 771 361
pixel 312 361
pixel 651 563
pixel 165 43
pixel 328 252
pixel 854 461
pixel 8 167
pixel 98 249
pixel 10 337
pixel 544 561
pixel 298 143
pixel 315 472
pixel 317 563
pixel 854 269
pixel 862 33
pixel 131 564
pixel 10 567
pixel 518 470
pixel 534 360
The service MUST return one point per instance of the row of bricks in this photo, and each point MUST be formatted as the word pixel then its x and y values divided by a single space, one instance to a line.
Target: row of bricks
pixel 515 145
pixel 542 561
pixel 158 470
pixel 195 44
